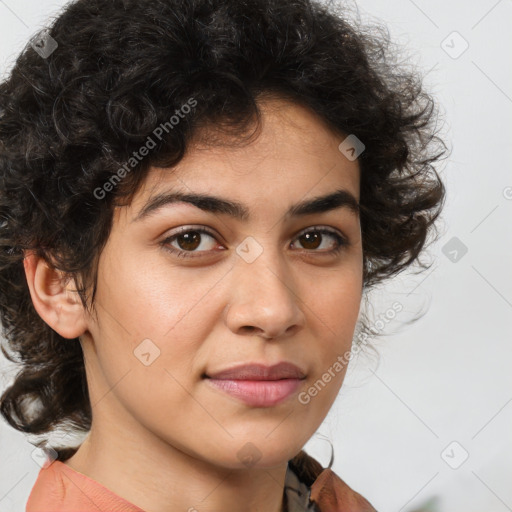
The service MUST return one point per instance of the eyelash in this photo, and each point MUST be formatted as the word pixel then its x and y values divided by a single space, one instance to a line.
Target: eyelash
pixel 341 242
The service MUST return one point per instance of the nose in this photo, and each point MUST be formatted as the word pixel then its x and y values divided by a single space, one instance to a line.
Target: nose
pixel 264 299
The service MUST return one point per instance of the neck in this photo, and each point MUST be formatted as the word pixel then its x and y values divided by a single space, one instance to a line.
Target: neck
pixel 151 474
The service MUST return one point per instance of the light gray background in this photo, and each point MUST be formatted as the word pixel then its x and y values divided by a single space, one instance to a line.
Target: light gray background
pixel 447 377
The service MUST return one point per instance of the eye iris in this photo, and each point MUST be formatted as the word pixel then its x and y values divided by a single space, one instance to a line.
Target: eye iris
pixel 309 237
pixel 192 237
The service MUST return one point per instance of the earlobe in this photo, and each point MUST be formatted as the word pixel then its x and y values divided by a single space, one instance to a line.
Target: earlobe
pixel 54 297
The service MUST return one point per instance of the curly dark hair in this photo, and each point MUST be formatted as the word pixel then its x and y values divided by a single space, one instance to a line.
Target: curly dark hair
pixel 69 121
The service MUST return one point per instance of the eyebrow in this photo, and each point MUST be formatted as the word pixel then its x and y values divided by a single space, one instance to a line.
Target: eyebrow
pixel 339 199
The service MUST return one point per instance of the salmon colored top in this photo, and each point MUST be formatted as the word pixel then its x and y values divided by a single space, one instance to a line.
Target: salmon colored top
pixel 59 488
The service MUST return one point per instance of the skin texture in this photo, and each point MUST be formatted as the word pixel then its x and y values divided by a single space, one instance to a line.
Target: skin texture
pixel 160 435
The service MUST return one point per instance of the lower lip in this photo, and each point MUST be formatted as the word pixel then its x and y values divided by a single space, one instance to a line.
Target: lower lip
pixel 258 393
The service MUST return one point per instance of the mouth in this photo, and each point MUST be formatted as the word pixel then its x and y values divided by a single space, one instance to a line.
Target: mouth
pixel 259 371
pixel 257 393
pixel 258 385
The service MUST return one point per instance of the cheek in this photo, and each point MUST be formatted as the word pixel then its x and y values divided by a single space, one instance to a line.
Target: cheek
pixel 335 313
pixel 155 299
pixel 336 304
pixel 162 317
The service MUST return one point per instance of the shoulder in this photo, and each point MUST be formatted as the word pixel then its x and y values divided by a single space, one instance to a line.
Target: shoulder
pixel 48 490
pixel 60 488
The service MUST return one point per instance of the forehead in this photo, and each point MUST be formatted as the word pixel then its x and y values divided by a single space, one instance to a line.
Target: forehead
pixel 284 126
pixel 292 155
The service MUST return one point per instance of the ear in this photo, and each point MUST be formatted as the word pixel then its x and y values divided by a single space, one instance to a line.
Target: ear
pixel 56 301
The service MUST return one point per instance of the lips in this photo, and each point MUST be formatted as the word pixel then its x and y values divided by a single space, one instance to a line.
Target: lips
pixel 259 372
pixel 258 385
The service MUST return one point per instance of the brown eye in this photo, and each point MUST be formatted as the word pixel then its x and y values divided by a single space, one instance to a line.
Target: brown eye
pixel 189 241
pixel 312 240
pixel 186 242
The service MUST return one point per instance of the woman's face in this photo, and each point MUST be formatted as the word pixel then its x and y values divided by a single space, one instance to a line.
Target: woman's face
pixel 255 289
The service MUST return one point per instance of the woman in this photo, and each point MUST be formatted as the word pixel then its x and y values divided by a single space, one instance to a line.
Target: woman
pixel 196 197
